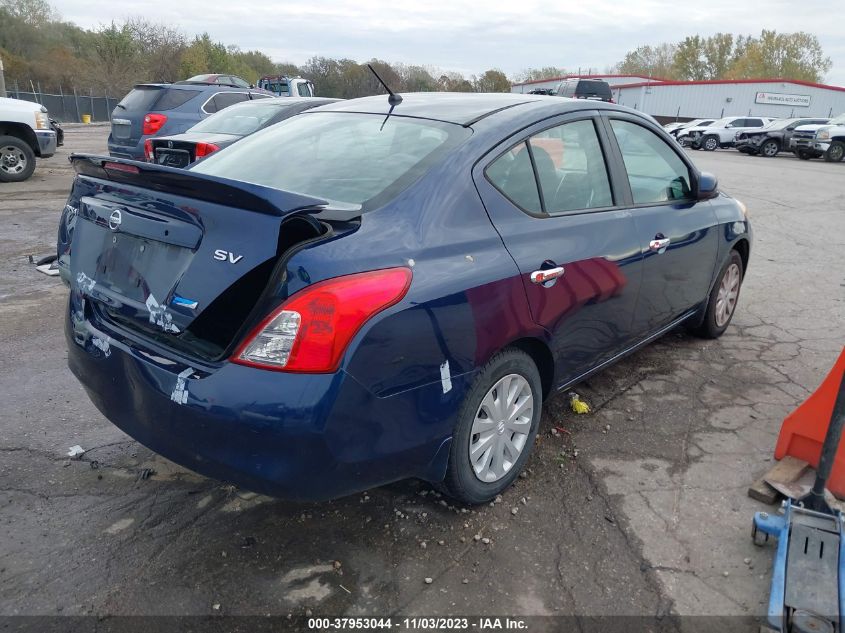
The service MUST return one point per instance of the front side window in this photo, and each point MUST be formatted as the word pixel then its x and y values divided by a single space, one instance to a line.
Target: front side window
pixel 655 171
pixel 303 90
pixel 571 168
pixel 352 158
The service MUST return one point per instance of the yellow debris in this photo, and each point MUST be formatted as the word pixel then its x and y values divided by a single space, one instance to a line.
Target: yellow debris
pixel 578 405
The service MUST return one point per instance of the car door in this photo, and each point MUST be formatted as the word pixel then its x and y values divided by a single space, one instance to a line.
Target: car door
pixel 677 233
pixel 550 195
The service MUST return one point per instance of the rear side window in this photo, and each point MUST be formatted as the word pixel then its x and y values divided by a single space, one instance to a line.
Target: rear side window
pixel 171 99
pixel 753 122
pixel 513 175
pixel 360 159
pixel 223 100
pixel 655 172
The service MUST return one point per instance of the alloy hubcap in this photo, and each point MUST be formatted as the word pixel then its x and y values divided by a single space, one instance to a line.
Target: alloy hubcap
pixel 770 149
pixel 727 295
pixel 710 143
pixel 500 430
pixel 836 153
pixel 12 160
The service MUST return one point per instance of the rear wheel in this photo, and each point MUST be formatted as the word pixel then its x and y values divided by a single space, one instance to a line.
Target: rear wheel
pixel 835 152
pixel 710 142
pixel 769 149
pixel 722 301
pixel 496 428
pixel 17 160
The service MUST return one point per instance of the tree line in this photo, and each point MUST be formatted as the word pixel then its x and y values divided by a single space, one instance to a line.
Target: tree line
pixel 726 56
pixel 37 45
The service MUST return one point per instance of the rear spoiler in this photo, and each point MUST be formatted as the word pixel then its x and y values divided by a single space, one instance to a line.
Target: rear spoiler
pixel 233 193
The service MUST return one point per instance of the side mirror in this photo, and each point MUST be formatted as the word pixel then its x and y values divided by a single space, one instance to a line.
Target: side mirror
pixel 708 186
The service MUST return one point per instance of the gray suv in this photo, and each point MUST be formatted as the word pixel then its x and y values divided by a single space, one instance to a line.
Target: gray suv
pixel 159 109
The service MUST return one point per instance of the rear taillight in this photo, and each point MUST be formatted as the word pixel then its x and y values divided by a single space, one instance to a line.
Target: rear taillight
pixel 149 154
pixel 153 123
pixel 204 149
pixel 310 332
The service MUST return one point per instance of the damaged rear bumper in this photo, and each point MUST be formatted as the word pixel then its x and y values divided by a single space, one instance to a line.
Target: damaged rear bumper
pixel 297 436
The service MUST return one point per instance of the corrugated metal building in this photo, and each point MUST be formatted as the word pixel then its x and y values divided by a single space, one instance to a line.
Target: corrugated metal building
pixel 684 100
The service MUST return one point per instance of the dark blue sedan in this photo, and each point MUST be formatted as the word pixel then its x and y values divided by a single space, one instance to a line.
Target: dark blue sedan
pixel 368 292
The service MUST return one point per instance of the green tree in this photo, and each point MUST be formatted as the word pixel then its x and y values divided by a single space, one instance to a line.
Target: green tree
pixel 788 55
pixel 720 53
pixel 689 62
pixel 493 81
pixel 113 60
pixel 32 12
pixel 649 61
pixel 538 74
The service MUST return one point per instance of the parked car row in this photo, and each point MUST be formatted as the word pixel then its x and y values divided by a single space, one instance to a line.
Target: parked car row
pixel 806 137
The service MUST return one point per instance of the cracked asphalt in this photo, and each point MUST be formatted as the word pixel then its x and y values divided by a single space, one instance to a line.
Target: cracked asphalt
pixel 638 508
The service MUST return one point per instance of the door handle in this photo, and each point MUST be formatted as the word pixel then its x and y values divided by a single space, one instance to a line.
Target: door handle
pixel 658 244
pixel 542 276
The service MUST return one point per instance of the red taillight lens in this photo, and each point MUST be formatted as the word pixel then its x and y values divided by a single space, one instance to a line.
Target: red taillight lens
pixel 204 149
pixel 148 151
pixel 309 333
pixel 153 123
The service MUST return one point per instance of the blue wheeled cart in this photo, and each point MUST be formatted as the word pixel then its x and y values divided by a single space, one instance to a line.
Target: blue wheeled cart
pixel 808 580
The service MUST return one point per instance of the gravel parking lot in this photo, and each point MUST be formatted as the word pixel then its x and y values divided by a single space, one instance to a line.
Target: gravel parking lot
pixel 638 508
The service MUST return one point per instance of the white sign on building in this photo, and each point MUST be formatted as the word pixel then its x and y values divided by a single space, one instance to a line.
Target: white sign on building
pixel 778 98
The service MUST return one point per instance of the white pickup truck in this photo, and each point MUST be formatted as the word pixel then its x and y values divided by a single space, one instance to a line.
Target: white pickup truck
pixel 24 134
pixel 828 140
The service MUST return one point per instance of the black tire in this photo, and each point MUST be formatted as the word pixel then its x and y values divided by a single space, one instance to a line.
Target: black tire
pixel 17 160
pixel 770 148
pixel 461 481
pixel 835 153
pixel 803 155
pixel 709 327
pixel 710 143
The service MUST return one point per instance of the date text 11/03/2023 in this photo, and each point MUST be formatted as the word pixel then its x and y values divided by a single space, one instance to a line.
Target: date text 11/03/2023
pixel 418 623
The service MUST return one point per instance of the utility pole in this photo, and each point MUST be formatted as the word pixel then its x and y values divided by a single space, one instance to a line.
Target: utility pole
pixel 2 80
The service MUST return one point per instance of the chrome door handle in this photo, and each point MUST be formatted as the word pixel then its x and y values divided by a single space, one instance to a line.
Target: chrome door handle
pixel 542 276
pixel 658 244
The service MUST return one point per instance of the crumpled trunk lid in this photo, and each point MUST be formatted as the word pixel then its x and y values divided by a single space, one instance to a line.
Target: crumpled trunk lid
pixel 169 255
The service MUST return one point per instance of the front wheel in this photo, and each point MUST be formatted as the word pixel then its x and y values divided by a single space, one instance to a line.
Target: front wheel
pixel 17 160
pixel 835 152
pixel 721 303
pixel 710 143
pixel 769 149
pixel 803 155
pixel 496 428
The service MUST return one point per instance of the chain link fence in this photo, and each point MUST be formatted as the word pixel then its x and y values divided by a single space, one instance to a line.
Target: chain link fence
pixel 66 107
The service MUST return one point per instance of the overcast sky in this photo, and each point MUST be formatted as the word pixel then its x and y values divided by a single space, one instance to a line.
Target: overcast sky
pixel 471 37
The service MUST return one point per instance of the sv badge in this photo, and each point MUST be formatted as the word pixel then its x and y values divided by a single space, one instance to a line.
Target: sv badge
pixel 226 256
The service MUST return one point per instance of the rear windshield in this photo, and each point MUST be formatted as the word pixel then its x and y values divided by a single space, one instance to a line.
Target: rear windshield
pixel 239 119
pixel 141 98
pixel 593 89
pixel 361 159
pixel 147 98
pixel 279 87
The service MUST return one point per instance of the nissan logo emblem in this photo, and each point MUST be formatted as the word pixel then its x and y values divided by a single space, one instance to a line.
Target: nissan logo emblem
pixel 114 220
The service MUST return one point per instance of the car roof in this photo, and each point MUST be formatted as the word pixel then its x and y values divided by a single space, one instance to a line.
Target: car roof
pixel 462 108
pixel 283 101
